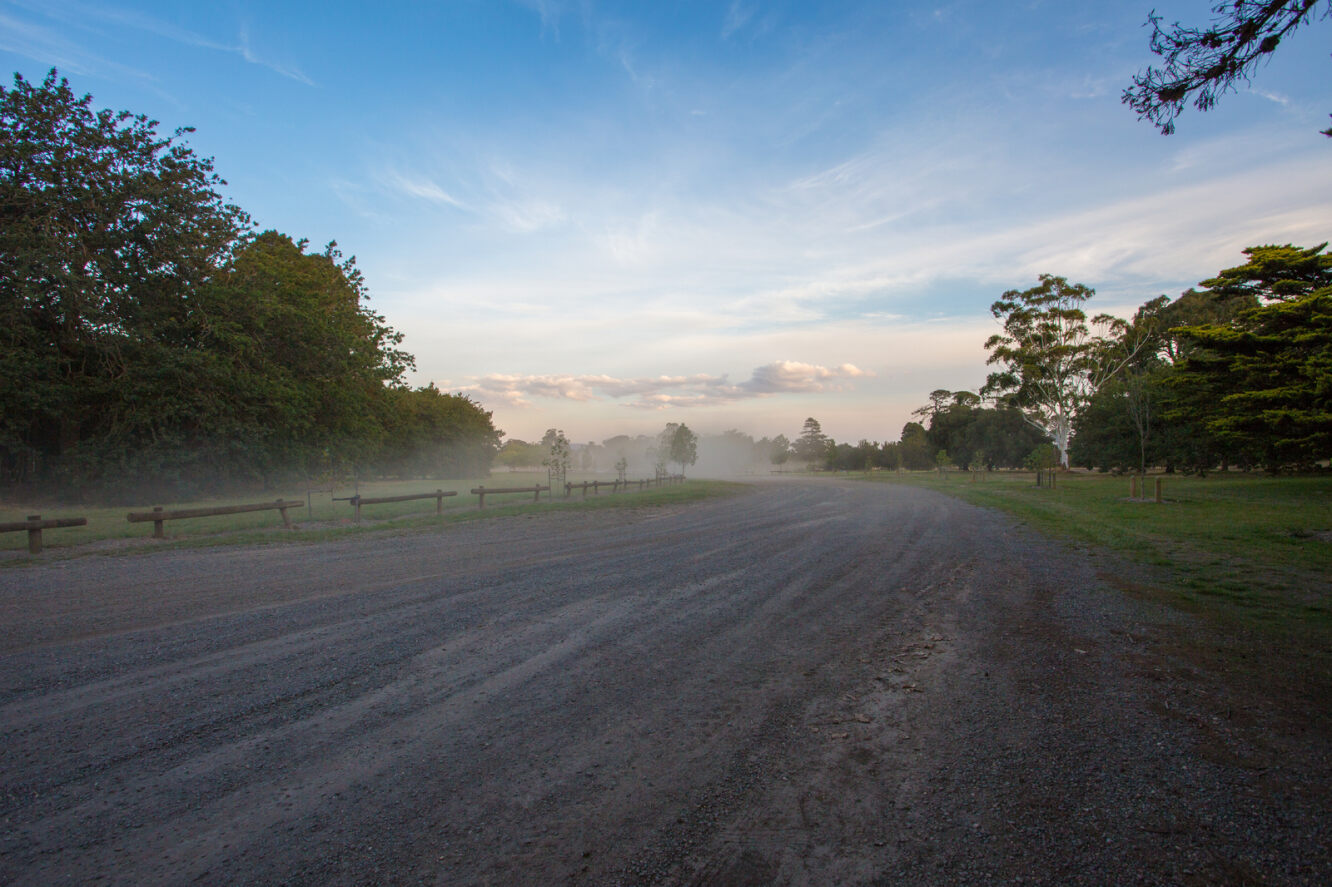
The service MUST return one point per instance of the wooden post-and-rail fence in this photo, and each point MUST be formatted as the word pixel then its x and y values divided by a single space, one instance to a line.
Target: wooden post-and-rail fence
pixel 34 526
pixel 483 492
pixel 358 500
pixel 158 514
pixel 618 485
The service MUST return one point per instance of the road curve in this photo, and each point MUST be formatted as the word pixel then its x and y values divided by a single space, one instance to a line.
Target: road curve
pixel 809 683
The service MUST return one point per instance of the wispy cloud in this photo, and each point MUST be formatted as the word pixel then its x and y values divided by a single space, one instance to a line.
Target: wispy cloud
pixel 660 392
pixel 42 44
pixel 419 187
pixel 738 15
pixel 81 15
pixel 248 53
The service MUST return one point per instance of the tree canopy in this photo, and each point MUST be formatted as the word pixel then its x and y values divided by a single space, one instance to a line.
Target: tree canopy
pixel 812 444
pixel 682 446
pixel 1051 360
pixel 1272 364
pixel 147 334
pixel 1238 375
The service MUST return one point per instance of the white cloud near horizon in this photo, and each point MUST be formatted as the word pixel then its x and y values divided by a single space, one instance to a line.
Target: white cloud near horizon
pixel 661 392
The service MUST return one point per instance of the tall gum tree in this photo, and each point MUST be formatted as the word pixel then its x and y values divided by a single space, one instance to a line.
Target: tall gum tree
pixel 1052 357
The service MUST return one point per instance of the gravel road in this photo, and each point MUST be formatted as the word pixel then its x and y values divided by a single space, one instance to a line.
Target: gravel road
pixel 809 683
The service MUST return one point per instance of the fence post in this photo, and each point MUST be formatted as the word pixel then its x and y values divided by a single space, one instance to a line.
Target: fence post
pixel 439 501
pixel 1133 486
pixel 356 504
pixel 159 530
pixel 1158 490
pixel 481 492
pixel 282 510
pixel 35 535
pixel 536 496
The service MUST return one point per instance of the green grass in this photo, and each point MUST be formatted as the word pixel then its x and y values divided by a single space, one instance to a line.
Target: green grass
pixel 1242 548
pixel 327 518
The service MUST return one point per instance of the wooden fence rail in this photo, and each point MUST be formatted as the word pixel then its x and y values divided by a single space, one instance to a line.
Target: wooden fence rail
pixel 35 524
pixel 158 515
pixel 438 496
pixel 618 485
pixel 483 492
pixel 595 486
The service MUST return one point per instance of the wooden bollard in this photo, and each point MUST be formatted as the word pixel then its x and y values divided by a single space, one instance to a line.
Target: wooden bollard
pixel 1133 486
pixel 356 504
pixel 481 492
pixel 1159 483
pixel 35 535
pixel 159 527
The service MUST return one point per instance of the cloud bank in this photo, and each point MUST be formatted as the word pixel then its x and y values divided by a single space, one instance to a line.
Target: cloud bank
pixel 663 392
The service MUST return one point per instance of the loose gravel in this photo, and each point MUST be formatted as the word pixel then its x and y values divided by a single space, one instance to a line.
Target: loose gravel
pixel 811 683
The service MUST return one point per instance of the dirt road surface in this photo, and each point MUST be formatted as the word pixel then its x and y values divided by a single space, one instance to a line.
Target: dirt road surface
pixel 809 683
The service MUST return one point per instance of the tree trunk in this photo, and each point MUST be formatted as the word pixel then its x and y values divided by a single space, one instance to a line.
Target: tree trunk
pixel 1062 430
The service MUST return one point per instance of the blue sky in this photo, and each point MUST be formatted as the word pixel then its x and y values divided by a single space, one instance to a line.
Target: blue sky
pixel 608 216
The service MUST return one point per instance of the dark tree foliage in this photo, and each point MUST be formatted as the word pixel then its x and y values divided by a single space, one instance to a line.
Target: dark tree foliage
pixel 1240 374
pixel 1270 367
pixel 106 229
pixel 149 341
pixel 1206 63
pixel 975 436
pixel 811 446
pixel 433 434
pixel 914 450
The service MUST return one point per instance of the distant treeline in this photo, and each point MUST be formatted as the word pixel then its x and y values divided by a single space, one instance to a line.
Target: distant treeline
pixel 148 336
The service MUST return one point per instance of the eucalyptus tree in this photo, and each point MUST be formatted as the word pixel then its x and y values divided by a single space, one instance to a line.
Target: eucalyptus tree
pixel 1051 357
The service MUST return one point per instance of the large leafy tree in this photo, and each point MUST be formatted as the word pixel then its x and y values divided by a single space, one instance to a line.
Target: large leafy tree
pixel 147 335
pixel 310 362
pixel 682 448
pixel 432 434
pixel 1204 64
pixel 106 227
pixel 1270 367
pixel 1051 357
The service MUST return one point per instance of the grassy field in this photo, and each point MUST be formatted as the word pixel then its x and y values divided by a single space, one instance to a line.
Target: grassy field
pixel 1242 548
pixel 326 516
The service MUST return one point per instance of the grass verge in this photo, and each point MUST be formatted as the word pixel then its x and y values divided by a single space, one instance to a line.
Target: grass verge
pixel 1251 555
pixel 1257 549
pixel 326 517
pixel 1250 552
